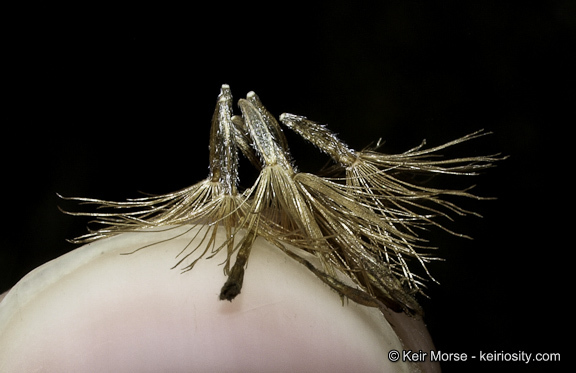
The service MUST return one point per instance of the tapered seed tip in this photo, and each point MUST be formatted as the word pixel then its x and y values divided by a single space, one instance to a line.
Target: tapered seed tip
pixel 288 118
pixel 225 93
pixel 251 94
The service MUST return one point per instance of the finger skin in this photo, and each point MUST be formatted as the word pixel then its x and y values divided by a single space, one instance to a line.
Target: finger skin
pixel 98 311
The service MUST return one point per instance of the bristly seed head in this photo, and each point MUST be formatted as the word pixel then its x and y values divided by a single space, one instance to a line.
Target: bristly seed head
pixel 362 224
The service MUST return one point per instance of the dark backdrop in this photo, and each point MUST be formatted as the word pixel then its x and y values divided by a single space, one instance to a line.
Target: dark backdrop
pixel 104 101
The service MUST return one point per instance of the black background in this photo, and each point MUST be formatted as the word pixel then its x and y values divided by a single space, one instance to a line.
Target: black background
pixel 107 100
